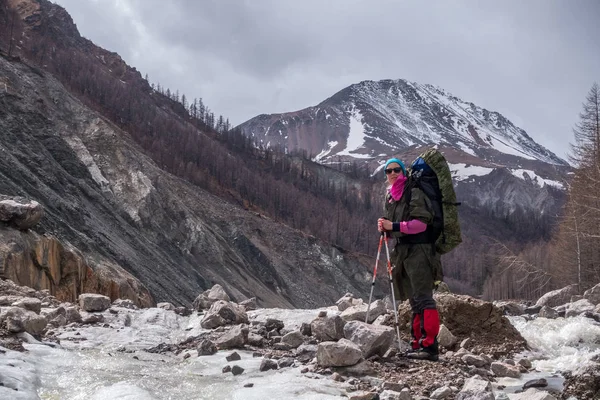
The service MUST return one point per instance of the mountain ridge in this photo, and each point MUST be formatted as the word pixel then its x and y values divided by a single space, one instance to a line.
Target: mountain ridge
pixel 374 119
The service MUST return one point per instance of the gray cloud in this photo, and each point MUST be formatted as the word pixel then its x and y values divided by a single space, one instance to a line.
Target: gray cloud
pixel 532 61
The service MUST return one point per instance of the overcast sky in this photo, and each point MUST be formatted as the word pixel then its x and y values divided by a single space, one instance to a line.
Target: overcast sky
pixel 533 61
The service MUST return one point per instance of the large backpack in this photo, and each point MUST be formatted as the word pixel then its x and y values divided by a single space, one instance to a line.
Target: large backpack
pixel 431 173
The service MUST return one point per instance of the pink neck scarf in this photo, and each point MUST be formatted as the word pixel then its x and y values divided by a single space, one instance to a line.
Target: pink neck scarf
pixel 398 187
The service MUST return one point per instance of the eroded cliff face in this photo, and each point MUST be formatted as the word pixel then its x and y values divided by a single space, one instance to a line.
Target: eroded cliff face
pixel 43 262
pixel 106 198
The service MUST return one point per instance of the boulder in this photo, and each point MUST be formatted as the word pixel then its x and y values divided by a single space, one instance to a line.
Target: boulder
pixel 510 307
pixel 505 370
pixel 125 303
pixel 93 302
pixel 548 312
pixel 476 388
pixel 166 306
pixel 578 308
pixel 17 319
pixel 224 313
pixel 359 312
pixel 29 303
pixel 249 304
pixel 347 301
pixel 446 338
pixel 293 339
pixel 338 354
pixel 207 298
pixel 328 328
pixel 371 339
pixel 557 297
pixel 593 295
pixel 20 212
pixel 235 338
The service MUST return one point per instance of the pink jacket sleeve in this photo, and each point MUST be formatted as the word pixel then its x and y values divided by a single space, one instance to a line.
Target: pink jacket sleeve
pixel 412 227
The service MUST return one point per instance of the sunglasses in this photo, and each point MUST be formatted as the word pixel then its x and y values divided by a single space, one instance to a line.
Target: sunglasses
pixel 390 170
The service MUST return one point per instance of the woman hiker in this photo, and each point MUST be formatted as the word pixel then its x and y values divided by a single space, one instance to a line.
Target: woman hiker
pixel 407 218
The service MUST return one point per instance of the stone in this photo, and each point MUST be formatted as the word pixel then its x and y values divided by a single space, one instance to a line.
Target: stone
pixel 249 304
pixel 557 297
pixel 233 357
pixel 579 307
pixel 207 298
pixel 166 306
pixel 328 328
pixel 441 393
pixel 267 364
pixel 477 361
pixel 338 354
pixel 293 339
pixel 446 338
pixel 20 212
pixel 237 370
pixel 29 303
pixel 224 313
pixel 505 370
pixel 125 303
pixel 475 388
pixel 92 302
pixel 593 295
pixel 371 339
pixel 206 348
pixel 359 312
pixel 535 383
pixel 548 312
pixel 285 362
pixel 236 337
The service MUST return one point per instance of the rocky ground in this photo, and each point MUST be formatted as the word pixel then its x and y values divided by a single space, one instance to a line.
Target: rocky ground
pixel 478 343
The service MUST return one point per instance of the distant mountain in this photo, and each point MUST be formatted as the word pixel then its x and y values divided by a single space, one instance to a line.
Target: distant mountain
pixel 371 121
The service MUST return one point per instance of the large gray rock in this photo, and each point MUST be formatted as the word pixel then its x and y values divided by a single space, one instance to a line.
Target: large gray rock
pixel 557 297
pixel 293 339
pixel 371 339
pixel 17 319
pixel 342 353
pixel 235 338
pixel 224 313
pixel 446 338
pixel 477 361
pixel 505 370
pixel 510 307
pixel 347 301
pixel 548 312
pixel 207 298
pixel 91 302
pixel 359 312
pixel 328 328
pixel 29 303
pixel 578 308
pixel 593 294
pixel 476 388
pixel 19 212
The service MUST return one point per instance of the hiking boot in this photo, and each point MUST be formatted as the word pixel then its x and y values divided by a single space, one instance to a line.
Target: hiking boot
pixel 430 353
pixel 422 354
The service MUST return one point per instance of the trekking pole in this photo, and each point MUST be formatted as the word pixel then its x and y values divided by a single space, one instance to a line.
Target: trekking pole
pixel 374 276
pixel 389 268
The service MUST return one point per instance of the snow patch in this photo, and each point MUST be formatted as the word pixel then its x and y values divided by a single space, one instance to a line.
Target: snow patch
pixel 356 136
pixel 461 171
pixel 527 174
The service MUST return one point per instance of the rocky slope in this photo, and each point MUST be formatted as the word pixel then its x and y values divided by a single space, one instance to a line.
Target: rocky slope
pixel 108 200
